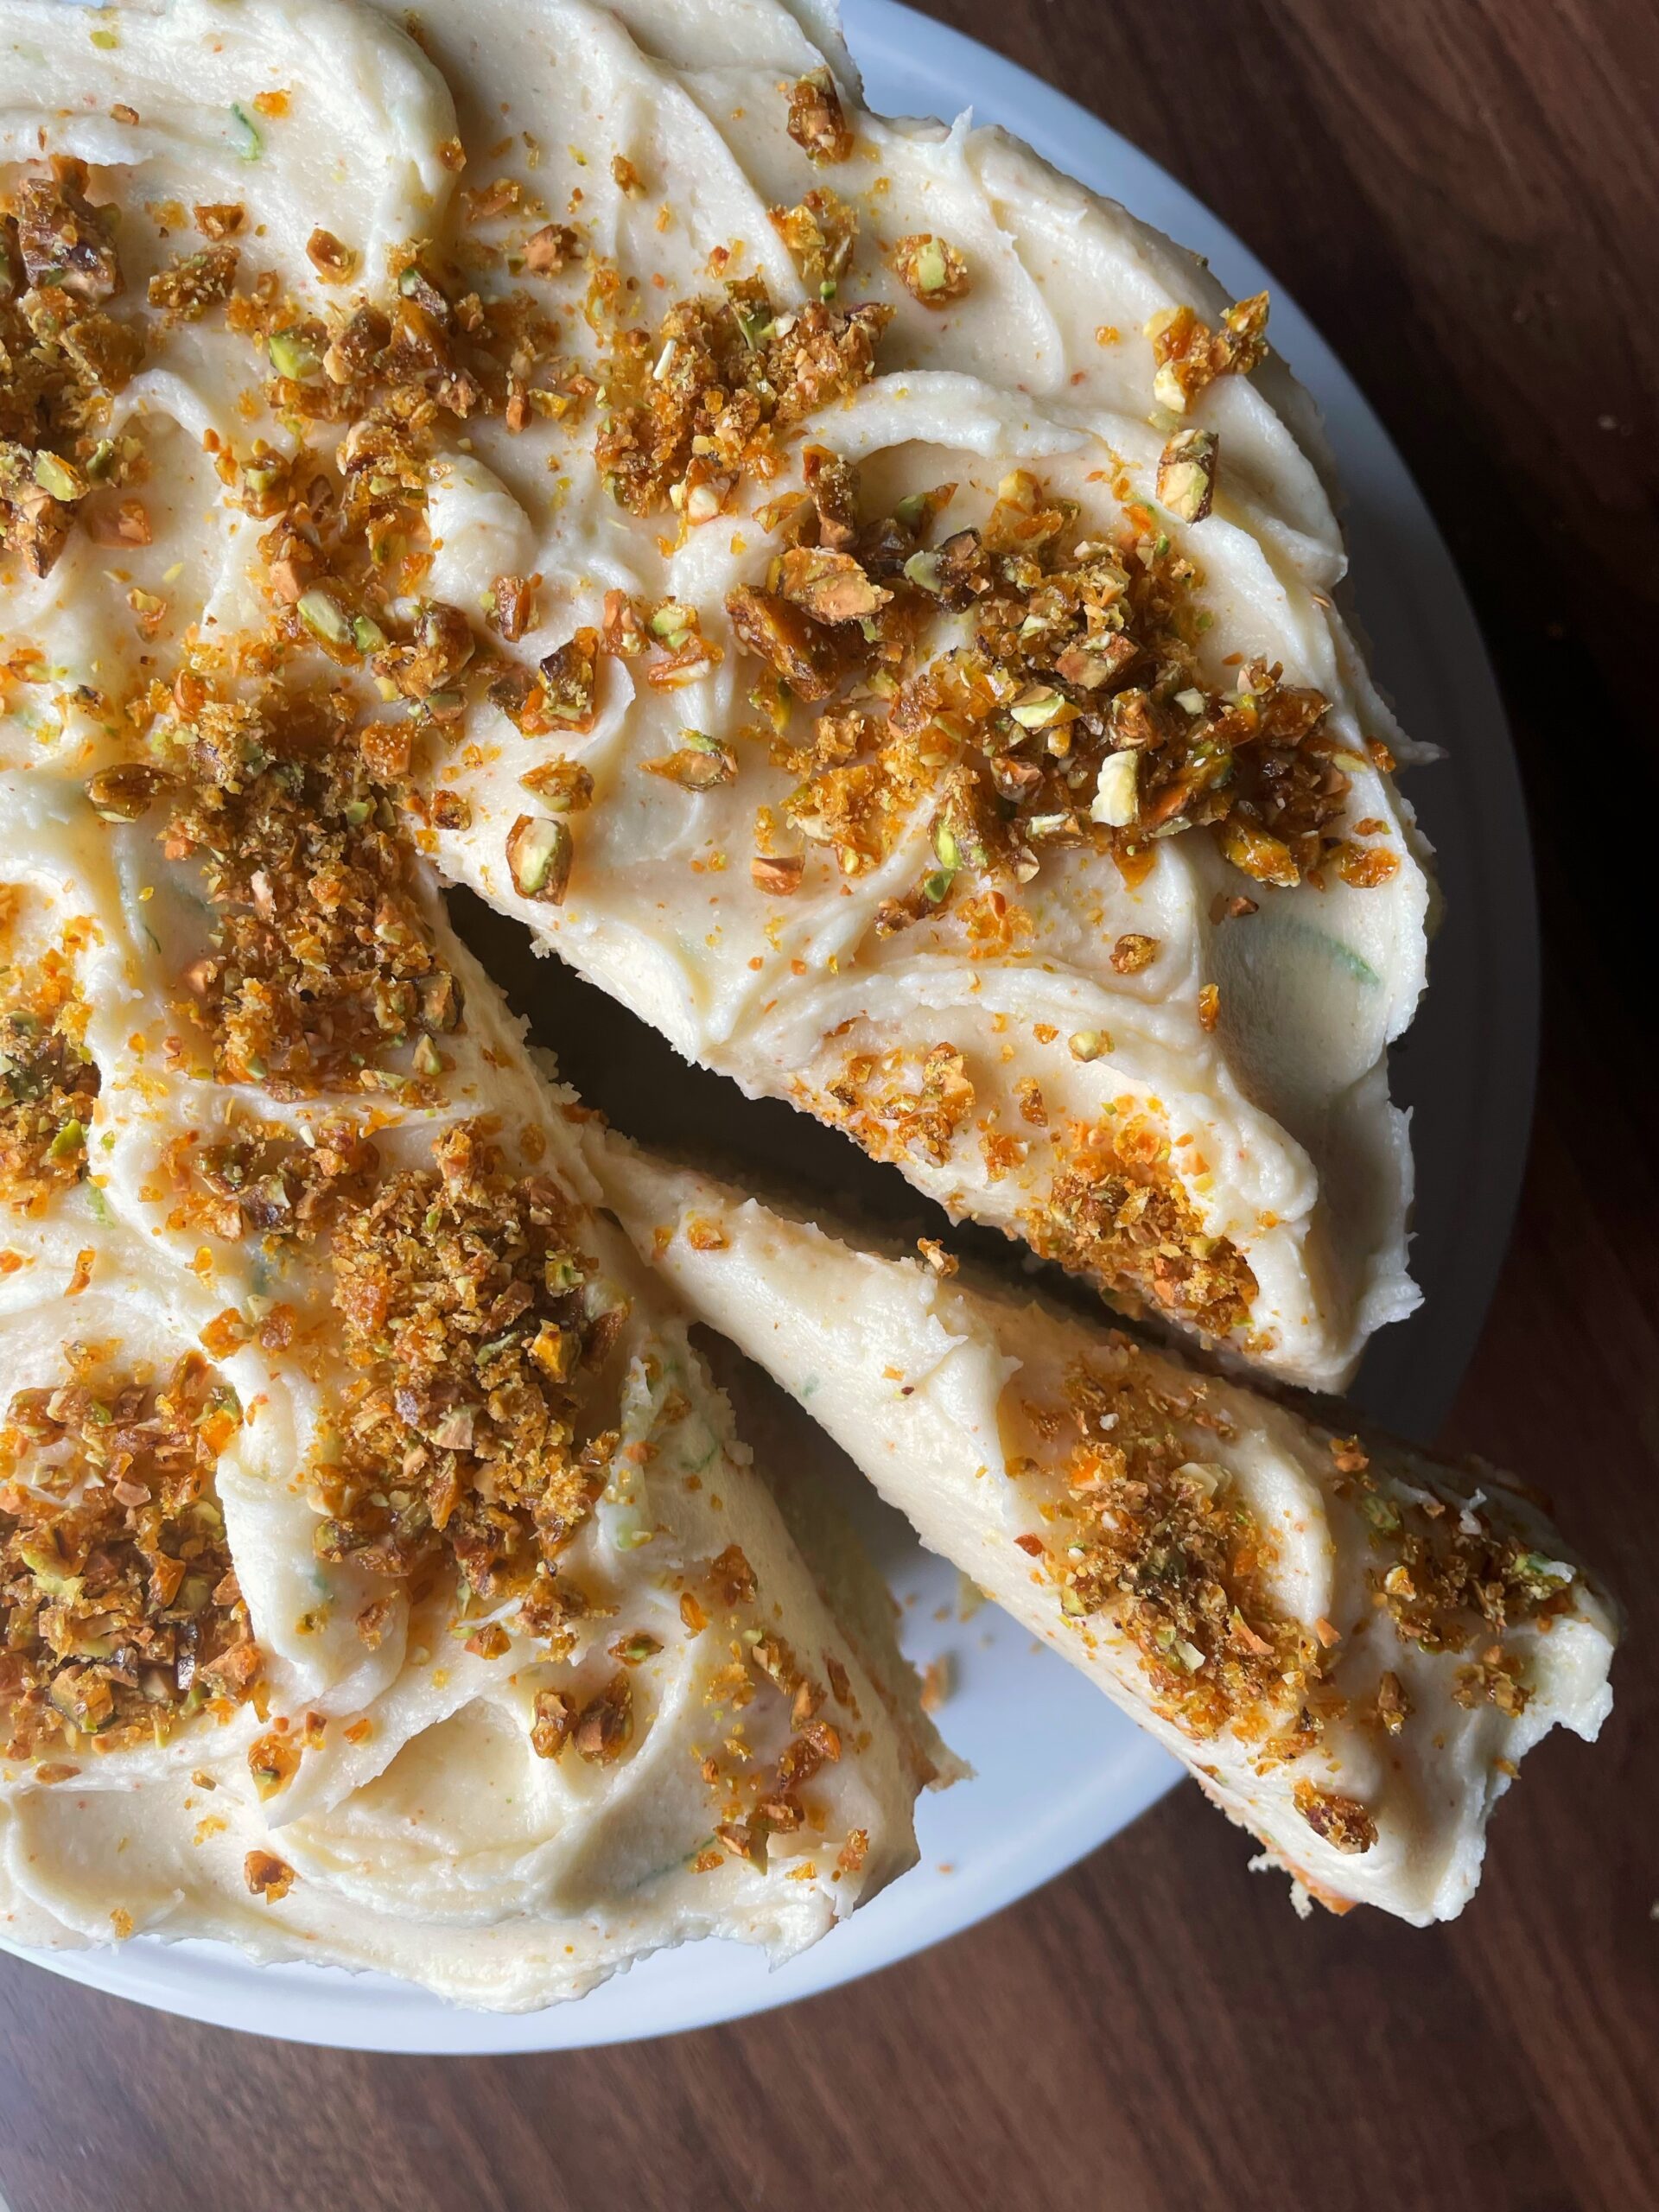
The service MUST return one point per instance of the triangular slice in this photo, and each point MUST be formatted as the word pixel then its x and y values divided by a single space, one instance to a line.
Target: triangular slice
pixel 383 1579
pixel 1349 1645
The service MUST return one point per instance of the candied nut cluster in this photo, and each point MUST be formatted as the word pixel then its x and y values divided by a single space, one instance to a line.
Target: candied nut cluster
pixel 322 971
pixel 1075 713
pixel 63 357
pixel 692 410
pixel 818 122
pixel 1157 1539
pixel 48 1084
pixel 262 1179
pixel 432 346
pixel 899 1103
pixel 1188 355
pixel 1144 1526
pixel 820 230
pixel 195 283
pixel 123 1617
pixel 930 270
pixel 477 1327
pixel 1117 1210
pixel 1454 1578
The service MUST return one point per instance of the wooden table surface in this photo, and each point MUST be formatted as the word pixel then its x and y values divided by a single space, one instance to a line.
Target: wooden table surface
pixel 1465 195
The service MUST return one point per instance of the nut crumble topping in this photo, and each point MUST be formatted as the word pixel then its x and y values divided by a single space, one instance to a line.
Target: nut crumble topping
pixel 1118 1211
pixel 62 358
pixel 818 122
pixel 122 1613
pixel 697 408
pixel 322 966
pixel 1161 1544
pixel 473 1320
pixel 48 1083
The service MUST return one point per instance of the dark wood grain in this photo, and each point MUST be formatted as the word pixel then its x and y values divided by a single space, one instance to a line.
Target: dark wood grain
pixel 1465 195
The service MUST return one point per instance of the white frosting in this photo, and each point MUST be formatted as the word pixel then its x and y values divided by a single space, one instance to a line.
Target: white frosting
pixel 1285 1140
pixel 922 1381
pixel 427 1837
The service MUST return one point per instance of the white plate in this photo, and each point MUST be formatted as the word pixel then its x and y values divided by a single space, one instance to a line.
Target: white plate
pixel 1057 1769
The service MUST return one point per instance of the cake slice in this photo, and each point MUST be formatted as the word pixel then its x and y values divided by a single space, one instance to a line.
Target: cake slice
pixel 1348 1645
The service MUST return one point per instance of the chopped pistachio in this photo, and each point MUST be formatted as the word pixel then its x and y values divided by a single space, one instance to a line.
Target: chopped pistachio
pixel 539 852
pixel 59 477
pixel 698 763
pixel 323 616
pixel 673 624
pixel 70 1141
pixel 946 845
pixel 926 571
pixel 1186 474
pixel 1039 706
pixel 291 357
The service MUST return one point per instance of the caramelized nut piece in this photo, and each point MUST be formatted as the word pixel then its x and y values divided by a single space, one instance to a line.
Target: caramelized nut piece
pixel 787 639
pixel 125 524
pixel 127 792
pixel 539 853
pixel 195 283
pixel 564 785
pixel 778 873
pixel 62 239
pixel 606 1722
pixel 333 262
pixel 1342 1821
pixel 267 1876
pixel 818 122
pixel 569 679
pixel 820 231
pixel 930 269
pixel 1186 474
pixel 831 587
pixel 219 220
pixel 698 763
pixel 512 606
pixel 547 250
pixel 1134 951
pixel 1187 354
pixel 554 1724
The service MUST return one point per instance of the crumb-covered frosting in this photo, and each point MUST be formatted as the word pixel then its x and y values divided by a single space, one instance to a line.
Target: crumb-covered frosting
pixel 838 581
